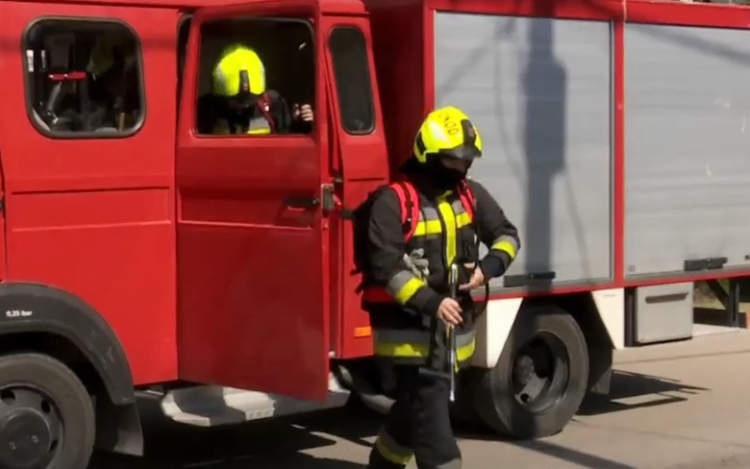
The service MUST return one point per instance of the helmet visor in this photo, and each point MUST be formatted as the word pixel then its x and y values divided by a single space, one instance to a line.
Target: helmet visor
pixel 464 152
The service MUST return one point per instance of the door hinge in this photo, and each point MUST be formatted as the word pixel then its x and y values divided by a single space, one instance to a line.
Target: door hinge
pixel 328 197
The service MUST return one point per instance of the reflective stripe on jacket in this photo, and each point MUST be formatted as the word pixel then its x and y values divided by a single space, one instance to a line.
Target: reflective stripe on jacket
pixel 443 235
pixel 415 344
pixel 428 236
pixel 409 278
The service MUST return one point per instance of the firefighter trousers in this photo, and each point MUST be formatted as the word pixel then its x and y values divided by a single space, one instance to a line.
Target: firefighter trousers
pixel 418 426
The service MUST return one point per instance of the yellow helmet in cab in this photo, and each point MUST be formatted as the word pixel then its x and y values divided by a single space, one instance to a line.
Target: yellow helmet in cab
pixel 447 132
pixel 238 70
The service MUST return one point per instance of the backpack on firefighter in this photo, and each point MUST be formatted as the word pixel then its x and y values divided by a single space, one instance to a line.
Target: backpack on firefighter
pixel 410 208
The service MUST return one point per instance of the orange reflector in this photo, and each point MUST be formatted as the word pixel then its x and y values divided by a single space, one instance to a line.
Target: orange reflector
pixel 362 331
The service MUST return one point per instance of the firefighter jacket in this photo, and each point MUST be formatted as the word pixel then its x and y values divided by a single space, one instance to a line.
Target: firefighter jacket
pixel 405 324
pixel 271 115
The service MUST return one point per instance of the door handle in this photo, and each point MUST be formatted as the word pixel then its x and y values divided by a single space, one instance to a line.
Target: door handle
pixel 301 203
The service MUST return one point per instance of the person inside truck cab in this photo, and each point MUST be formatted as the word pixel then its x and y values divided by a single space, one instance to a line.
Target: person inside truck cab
pixel 102 93
pixel 241 103
pixel 113 84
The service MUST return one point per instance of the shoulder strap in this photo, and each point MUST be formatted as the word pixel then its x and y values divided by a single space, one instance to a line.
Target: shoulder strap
pixel 264 104
pixel 409 201
pixel 467 198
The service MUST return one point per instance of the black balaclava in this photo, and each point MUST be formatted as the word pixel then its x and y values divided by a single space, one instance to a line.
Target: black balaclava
pixel 240 108
pixel 444 178
pixel 433 174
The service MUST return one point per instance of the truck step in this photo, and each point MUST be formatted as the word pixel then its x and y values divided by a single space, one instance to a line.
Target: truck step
pixel 208 406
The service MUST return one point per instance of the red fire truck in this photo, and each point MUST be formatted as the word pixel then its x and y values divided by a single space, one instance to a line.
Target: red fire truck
pixel 141 255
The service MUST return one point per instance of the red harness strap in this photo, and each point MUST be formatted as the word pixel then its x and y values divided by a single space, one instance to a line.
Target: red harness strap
pixel 410 208
pixel 409 203
pixel 264 104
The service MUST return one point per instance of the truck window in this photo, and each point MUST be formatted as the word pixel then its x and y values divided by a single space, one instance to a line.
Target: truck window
pixel 257 77
pixel 83 78
pixel 352 71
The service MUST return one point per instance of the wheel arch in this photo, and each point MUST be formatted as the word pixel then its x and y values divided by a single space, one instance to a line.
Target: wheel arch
pixel 37 308
pixel 46 319
pixel 599 314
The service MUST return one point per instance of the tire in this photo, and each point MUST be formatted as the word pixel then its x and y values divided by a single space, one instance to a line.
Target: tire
pixel 42 401
pixel 517 414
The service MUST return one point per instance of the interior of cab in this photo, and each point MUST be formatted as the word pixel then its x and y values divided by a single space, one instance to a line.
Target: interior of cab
pixel 285 46
pixel 83 76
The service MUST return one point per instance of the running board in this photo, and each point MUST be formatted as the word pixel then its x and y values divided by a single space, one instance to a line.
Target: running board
pixel 208 406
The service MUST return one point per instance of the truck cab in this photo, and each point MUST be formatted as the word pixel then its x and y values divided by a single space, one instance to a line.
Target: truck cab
pixel 139 251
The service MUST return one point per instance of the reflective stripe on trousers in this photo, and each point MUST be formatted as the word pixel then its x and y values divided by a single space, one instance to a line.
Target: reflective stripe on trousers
pixel 411 343
pixel 392 451
pixel 397 456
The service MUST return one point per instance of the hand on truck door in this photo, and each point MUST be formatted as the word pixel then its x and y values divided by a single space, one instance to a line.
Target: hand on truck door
pixel 451 318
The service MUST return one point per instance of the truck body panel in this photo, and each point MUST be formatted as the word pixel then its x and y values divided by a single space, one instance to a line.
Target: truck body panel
pixel 687 174
pixel 558 156
pixel 94 216
pixel 539 91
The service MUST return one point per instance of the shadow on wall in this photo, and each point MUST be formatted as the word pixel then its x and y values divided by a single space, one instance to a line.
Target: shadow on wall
pixel 545 83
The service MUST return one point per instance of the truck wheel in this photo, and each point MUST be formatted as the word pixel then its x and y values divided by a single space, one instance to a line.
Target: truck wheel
pixel 46 415
pixel 540 378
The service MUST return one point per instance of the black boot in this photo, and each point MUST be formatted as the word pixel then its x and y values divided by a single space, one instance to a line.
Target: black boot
pixel 378 461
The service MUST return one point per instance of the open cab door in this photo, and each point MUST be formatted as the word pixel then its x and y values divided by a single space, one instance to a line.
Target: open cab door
pixel 252 250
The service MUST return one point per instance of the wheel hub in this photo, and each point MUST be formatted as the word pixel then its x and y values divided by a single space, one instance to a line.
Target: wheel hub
pixel 27 431
pixel 524 369
pixel 540 373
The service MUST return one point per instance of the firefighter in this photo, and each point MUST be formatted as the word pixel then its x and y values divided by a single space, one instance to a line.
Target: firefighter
pixel 113 83
pixel 410 322
pixel 240 103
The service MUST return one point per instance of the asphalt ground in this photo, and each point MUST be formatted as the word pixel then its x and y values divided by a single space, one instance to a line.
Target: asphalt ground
pixel 675 406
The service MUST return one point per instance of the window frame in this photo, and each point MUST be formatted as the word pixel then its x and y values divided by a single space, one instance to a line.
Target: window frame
pixel 186 22
pixel 196 94
pixel 34 117
pixel 370 94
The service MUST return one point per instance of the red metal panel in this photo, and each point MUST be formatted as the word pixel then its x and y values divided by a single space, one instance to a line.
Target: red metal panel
pixel 618 229
pixel 571 9
pixel 688 14
pixel 399 59
pixel 3 246
pixel 428 54
pixel 95 217
pixel 344 7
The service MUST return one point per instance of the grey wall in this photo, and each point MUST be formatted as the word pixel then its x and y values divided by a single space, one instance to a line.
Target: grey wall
pixel 687 146
pixel 540 93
